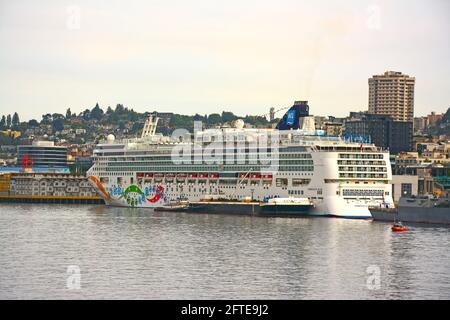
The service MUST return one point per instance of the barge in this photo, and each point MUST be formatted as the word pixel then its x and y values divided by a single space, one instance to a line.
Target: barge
pixel 273 207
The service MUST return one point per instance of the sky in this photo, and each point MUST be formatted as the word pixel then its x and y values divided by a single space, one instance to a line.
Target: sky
pixel 204 56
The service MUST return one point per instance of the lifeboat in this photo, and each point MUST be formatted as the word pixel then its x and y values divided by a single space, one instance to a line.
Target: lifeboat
pixel 148 177
pixel 214 176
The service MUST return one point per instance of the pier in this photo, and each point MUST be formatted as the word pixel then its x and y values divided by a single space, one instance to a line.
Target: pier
pixel 52 199
pixel 47 187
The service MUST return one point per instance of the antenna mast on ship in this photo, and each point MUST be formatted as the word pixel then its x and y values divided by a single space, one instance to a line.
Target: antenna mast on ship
pixel 150 126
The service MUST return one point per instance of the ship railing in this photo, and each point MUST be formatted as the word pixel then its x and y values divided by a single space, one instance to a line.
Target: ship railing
pixel 309 141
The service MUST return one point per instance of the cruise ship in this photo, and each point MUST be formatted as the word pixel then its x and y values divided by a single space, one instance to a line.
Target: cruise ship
pixel 341 177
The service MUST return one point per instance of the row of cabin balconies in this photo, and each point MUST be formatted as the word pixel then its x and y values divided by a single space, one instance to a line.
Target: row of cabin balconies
pixel 363 175
pixel 363 169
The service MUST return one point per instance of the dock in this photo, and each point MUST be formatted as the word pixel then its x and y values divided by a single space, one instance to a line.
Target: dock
pixel 52 199
pixel 47 187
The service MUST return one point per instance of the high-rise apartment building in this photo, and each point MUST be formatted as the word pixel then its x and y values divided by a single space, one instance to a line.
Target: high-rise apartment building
pixel 383 131
pixel 420 124
pixel 392 94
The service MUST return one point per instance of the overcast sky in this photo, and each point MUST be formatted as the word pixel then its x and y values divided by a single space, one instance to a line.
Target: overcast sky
pixel 204 56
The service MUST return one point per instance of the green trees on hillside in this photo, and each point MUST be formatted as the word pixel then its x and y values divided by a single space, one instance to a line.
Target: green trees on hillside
pixel 446 118
pixel 441 127
pixel 214 119
pixel 122 118
pixel 58 124
pixel 181 121
pixel 33 123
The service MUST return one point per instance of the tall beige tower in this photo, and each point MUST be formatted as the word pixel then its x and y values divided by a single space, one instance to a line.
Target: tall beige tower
pixel 392 93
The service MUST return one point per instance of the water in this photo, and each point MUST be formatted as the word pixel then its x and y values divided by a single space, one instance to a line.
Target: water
pixel 136 253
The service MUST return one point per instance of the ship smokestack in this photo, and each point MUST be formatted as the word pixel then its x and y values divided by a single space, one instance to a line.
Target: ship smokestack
pixel 291 119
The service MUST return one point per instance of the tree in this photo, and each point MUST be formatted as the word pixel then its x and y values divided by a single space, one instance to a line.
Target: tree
pixel 7 140
pixel 119 109
pixel 57 116
pixel 109 110
pixel 8 121
pixel 256 120
pixel 446 118
pixel 86 114
pixel 68 113
pixel 181 121
pixel 198 117
pixel 3 123
pixel 133 116
pixel 58 124
pixel 33 123
pixel 46 118
pixel 228 116
pixel 96 112
pixel 15 120
pixel 137 127
pixel 214 118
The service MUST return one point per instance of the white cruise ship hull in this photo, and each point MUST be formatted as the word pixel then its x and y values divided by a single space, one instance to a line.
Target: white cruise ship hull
pixel 147 196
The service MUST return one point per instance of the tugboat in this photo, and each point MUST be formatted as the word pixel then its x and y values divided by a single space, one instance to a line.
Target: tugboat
pixel 398 225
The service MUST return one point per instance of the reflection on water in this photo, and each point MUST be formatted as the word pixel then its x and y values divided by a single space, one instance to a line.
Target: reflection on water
pixel 136 253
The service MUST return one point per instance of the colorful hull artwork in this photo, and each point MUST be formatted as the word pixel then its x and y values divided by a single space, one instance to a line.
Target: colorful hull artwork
pixel 132 195
pixel 100 188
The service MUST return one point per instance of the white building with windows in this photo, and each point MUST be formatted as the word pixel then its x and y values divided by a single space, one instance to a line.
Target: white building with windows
pixel 404 185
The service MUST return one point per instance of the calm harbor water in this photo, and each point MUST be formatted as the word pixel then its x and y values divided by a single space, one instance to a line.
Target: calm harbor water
pixel 135 253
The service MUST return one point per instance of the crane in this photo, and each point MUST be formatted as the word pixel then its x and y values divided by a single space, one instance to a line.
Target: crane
pixel 274 112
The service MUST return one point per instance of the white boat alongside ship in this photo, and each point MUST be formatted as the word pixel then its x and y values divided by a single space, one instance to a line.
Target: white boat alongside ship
pixel 339 177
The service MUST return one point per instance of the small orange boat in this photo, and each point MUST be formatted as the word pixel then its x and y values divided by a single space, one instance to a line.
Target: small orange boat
pixel 399 227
